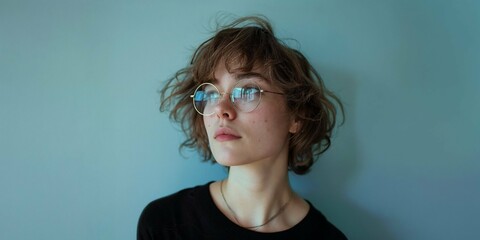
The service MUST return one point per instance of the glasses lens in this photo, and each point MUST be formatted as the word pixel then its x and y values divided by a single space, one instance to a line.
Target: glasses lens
pixel 205 98
pixel 246 95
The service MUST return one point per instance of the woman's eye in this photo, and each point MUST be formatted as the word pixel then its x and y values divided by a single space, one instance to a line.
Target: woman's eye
pixel 246 93
pixel 251 90
pixel 210 95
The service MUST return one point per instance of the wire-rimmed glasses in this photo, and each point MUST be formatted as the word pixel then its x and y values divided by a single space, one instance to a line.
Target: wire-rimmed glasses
pixel 245 96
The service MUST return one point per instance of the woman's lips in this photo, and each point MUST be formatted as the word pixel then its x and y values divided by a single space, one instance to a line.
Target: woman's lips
pixel 225 137
pixel 225 134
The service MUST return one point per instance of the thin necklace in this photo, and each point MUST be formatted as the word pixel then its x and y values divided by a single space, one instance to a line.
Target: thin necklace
pixel 282 208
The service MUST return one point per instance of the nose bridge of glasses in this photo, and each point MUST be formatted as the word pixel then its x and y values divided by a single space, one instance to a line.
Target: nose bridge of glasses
pixel 226 96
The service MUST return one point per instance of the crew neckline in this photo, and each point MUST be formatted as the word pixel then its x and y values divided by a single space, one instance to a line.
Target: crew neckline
pixel 234 226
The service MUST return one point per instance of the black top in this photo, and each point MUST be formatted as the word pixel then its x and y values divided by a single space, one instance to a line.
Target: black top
pixel 192 214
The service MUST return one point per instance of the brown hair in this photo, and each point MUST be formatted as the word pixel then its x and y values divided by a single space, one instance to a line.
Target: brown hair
pixel 249 42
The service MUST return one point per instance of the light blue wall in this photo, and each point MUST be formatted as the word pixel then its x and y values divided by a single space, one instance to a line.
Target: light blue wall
pixel 83 147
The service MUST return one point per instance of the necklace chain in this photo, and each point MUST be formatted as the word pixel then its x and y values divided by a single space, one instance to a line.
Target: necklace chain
pixel 282 208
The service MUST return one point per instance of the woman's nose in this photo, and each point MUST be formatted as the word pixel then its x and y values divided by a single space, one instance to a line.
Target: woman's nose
pixel 225 108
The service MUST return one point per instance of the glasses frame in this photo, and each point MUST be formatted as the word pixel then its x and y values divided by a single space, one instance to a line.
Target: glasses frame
pixel 262 91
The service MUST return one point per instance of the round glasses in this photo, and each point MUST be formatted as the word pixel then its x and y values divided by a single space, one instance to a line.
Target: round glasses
pixel 245 96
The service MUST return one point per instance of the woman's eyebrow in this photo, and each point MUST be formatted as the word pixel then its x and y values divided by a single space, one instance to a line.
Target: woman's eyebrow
pixel 245 75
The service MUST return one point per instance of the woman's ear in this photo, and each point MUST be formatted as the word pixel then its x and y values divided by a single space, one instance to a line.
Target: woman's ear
pixel 294 126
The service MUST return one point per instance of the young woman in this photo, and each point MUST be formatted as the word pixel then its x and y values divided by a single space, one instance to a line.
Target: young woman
pixel 256 106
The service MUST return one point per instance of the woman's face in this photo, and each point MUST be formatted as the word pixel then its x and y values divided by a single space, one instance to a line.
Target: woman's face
pixel 239 138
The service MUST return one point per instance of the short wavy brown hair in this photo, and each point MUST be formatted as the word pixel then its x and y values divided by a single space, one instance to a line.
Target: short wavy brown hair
pixel 249 42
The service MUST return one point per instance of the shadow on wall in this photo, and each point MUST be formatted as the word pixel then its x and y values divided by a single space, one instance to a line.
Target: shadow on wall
pixel 337 168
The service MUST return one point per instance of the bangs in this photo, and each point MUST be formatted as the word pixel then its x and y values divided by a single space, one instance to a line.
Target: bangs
pixel 240 49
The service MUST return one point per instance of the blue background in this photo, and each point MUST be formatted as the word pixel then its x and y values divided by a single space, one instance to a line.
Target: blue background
pixel 83 147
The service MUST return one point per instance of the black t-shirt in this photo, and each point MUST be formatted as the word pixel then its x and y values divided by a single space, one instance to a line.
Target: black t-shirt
pixel 192 214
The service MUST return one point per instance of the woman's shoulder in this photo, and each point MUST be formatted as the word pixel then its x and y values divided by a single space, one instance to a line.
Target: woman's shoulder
pixel 171 216
pixel 176 203
pixel 179 198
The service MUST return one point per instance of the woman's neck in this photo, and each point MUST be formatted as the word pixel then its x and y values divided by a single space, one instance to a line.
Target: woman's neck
pixel 252 198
